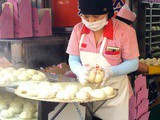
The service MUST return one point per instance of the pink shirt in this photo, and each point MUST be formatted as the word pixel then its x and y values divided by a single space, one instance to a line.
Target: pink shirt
pixel 124 37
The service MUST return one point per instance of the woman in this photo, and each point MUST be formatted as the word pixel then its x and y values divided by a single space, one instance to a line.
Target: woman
pixel 102 40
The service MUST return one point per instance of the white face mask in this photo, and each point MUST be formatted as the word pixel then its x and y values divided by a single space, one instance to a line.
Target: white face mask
pixel 95 26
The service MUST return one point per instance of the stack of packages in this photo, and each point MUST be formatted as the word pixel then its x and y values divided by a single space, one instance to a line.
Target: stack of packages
pixel 19 20
pixel 139 102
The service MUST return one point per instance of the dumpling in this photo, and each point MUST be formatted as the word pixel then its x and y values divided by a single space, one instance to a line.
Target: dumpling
pixel 21 69
pixel 86 89
pixel 4 80
pixel 23 77
pixel 68 95
pixel 37 77
pixel 72 89
pixel 45 93
pixel 98 93
pixel 32 91
pixel 42 74
pixel 13 78
pixel 26 115
pixel 60 95
pixel 56 88
pixel 31 109
pixel 83 95
pixel 108 90
pixel 3 105
pixel 36 115
pixel 23 88
pixel 16 104
pixel 15 110
pixel 91 76
pixel 7 114
pixel 99 76
pixel 31 72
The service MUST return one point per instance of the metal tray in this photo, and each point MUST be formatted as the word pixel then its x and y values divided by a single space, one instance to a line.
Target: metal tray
pixel 17 92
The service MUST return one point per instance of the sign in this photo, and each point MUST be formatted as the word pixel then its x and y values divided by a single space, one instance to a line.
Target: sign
pixel 117 4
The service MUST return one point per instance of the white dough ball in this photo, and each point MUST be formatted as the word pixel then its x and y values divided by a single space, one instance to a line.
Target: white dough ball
pixel 16 104
pixel 36 115
pixel 56 88
pixel 45 93
pixel 32 92
pixel 26 115
pixel 60 95
pixel 16 73
pixel 68 95
pixel 30 109
pixel 7 114
pixel 98 93
pixel 23 77
pixel 108 90
pixel 37 77
pixel 72 89
pixel 4 80
pixel 86 89
pixel 99 76
pixel 21 69
pixel 27 104
pixel 23 88
pixel 13 78
pixel 83 95
pixel 11 69
pixel 15 110
pixel 92 75
pixel 42 74
pixel 31 72
pixel 3 105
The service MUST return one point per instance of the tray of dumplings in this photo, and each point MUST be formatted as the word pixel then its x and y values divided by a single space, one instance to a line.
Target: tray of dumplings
pixel 13 77
pixel 67 92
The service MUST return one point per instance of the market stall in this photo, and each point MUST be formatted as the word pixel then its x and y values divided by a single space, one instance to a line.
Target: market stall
pixel 33 59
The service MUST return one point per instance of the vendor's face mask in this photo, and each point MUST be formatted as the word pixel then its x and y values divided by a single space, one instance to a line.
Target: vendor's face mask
pixel 95 26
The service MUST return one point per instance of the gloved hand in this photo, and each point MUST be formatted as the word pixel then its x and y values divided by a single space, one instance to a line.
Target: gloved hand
pixel 108 73
pixel 83 75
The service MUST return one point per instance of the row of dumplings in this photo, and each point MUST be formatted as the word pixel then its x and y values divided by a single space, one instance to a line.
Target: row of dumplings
pixel 46 90
pixel 11 74
pixel 151 61
pixel 12 107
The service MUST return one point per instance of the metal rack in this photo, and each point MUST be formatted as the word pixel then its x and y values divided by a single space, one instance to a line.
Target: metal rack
pixel 148 29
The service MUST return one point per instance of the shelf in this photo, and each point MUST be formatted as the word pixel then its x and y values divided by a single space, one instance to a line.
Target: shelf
pixel 153 8
pixel 153 36
pixel 155 22
pixel 153 16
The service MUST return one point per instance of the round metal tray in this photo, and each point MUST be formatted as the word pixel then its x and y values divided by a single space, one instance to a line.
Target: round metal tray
pixel 17 92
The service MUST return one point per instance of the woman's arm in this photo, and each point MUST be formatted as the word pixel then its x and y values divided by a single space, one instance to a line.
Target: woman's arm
pixel 125 67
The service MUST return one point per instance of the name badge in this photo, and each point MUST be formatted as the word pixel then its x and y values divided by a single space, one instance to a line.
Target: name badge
pixel 111 50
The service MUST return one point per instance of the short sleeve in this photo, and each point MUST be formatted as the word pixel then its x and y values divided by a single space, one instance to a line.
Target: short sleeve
pixel 73 45
pixel 129 43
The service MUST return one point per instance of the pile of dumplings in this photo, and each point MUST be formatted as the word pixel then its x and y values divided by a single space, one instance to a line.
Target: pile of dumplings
pixel 13 107
pixel 10 74
pixel 151 61
pixel 46 90
pixel 96 75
